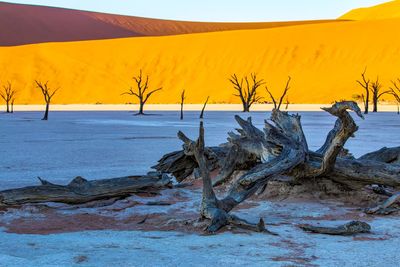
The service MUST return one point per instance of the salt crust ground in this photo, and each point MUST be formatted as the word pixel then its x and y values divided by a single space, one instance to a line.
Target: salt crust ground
pixel 103 144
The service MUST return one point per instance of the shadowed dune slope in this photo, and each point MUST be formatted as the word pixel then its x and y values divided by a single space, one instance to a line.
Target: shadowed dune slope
pixel 387 10
pixel 28 24
pixel 324 61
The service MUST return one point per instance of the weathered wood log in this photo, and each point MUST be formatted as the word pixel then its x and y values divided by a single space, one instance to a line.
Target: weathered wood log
pixel 80 190
pixel 356 174
pixel 351 228
pixel 385 207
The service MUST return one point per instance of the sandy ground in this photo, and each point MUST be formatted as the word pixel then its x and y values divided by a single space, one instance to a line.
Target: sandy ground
pixel 129 232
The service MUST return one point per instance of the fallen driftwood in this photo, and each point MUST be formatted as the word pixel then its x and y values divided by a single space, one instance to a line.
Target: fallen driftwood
pixel 280 149
pixel 80 190
pixel 386 207
pixel 351 228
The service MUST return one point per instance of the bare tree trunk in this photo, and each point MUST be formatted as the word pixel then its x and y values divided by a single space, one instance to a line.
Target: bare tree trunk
pixel 12 106
pixel 181 111
pixel 246 108
pixel 366 103
pixel 46 113
pixel 182 103
pixel 141 107
pixel 8 106
pixel 375 102
pixel 204 107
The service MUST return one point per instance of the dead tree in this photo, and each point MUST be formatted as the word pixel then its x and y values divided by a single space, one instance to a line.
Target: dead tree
pixel 247 90
pixel 395 92
pixel 183 97
pixel 279 152
pixel 204 107
pixel 277 105
pixel 376 87
pixel 8 94
pixel 47 95
pixel 365 83
pixel 141 91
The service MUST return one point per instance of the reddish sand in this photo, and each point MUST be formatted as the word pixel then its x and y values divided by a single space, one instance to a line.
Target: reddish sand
pixel 28 24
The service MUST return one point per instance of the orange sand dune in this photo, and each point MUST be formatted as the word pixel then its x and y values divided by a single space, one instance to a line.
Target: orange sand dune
pixel 324 61
pixel 27 24
pixel 387 10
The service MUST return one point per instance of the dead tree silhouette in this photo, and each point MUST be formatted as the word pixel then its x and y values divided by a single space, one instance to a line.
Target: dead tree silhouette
pixel 204 107
pixel 141 91
pixel 8 94
pixel 365 83
pixel 376 87
pixel 247 92
pixel 183 97
pixel 47 95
